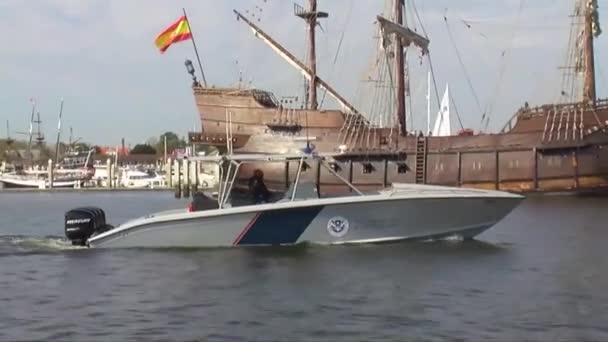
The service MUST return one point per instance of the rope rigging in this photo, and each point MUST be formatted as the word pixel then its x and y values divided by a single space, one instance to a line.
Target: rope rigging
pixel 431 69
pixel 339 47
pixel 573 62
pixel 459 57
pixel 503 67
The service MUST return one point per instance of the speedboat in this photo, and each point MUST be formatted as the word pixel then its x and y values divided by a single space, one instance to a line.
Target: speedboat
pixel 398 212
pixel 133 178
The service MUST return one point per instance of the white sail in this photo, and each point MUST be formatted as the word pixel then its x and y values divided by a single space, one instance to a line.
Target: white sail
pixel 442 123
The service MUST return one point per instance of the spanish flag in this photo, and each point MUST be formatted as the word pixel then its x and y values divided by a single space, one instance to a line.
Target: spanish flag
pixel 177 32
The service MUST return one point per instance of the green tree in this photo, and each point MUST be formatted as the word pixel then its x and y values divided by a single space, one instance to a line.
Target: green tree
pixel 143 149
pixel 153 141
pixel 173 142
pixel 81 146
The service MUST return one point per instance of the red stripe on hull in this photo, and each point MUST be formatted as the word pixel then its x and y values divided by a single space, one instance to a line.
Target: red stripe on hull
pixel 249 225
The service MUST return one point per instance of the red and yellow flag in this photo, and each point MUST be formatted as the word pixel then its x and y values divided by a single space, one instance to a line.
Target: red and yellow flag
pixel 177 32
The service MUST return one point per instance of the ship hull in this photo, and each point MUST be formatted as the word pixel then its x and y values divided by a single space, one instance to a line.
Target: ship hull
pixel 545 149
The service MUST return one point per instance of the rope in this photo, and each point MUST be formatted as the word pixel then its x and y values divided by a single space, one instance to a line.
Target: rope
pixel 431 69
pixel 568 76
pixel 459 57
pixel 346 22
pixel 503 64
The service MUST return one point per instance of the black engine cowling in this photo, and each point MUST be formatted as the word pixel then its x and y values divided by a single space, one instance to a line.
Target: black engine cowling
pixel 82 223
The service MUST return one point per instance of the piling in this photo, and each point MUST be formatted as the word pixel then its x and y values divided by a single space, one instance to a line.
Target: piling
pixel 196 170
pixel 169 172
pixel 178 188
pixel 385 176
pixel 116 173
pixel 50 172
pixel 497 170
pixel 114 176
pixel 287 175
pixel 187 178
pixel 109 172
pixel 535 168
pixel 318 178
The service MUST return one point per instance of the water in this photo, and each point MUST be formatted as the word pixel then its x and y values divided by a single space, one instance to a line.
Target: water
pixel 541 274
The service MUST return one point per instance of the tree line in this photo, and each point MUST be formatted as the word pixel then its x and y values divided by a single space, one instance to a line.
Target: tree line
pixel 152 146
pixel 157 145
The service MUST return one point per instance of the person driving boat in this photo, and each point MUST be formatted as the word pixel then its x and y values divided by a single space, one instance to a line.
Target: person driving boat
pixel 257 188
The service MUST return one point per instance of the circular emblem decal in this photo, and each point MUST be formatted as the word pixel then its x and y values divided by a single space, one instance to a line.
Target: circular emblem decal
pixel 337 226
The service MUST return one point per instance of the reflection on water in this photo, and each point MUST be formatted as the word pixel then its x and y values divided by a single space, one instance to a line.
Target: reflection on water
pixel 538 275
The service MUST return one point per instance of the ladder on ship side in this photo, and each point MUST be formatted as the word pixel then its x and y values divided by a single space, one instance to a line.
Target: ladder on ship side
pixel 421 160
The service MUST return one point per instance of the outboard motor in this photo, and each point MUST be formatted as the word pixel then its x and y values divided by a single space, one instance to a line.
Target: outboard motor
pixel 82 223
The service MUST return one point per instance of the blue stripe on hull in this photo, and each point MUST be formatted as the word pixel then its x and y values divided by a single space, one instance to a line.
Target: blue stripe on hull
pixel 283 226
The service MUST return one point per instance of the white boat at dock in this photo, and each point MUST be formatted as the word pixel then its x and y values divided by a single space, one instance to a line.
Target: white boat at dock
pixel 72 172
pixel 133 178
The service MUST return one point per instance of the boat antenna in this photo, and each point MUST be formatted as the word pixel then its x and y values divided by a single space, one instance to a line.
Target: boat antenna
pixel 58 132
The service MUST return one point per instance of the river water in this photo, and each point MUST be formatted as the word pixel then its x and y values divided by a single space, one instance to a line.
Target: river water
pixel 541 274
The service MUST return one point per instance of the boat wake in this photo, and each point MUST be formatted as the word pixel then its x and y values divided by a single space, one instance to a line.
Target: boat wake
pixel 21 244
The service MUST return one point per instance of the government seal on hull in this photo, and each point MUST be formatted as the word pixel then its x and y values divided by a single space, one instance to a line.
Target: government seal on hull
pixel 338 226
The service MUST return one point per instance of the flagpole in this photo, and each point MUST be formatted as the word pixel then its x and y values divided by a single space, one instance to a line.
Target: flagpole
pixel 200 65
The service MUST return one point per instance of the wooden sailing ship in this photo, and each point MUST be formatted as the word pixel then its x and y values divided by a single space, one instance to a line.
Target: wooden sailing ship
pixel 553 147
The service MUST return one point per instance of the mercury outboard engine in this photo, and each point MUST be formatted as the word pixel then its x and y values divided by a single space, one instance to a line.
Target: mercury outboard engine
pixel 82 223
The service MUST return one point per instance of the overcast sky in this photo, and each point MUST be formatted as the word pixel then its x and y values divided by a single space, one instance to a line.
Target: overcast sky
pixel 100 56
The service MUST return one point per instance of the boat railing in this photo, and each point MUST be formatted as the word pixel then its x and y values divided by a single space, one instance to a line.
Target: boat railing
pixel 527 112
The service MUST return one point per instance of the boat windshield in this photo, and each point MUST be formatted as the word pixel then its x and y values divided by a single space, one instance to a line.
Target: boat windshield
pixel 229 166
pixel 305 190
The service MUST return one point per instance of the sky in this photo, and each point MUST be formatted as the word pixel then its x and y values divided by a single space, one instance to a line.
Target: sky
pixel 99 56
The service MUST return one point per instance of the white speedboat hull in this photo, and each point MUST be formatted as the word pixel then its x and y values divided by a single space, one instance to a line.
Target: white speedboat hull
pixel 9 181
pixel 405 213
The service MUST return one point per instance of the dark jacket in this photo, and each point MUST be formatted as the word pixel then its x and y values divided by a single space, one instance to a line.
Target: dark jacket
pixel 258 190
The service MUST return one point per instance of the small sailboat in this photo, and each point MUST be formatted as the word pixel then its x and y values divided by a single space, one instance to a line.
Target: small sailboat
pixel 442 127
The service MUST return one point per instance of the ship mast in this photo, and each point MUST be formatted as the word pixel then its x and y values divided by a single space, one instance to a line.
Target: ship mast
pixel 394 31
pixel 310 16
pixel 399 69
pixel 590 31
